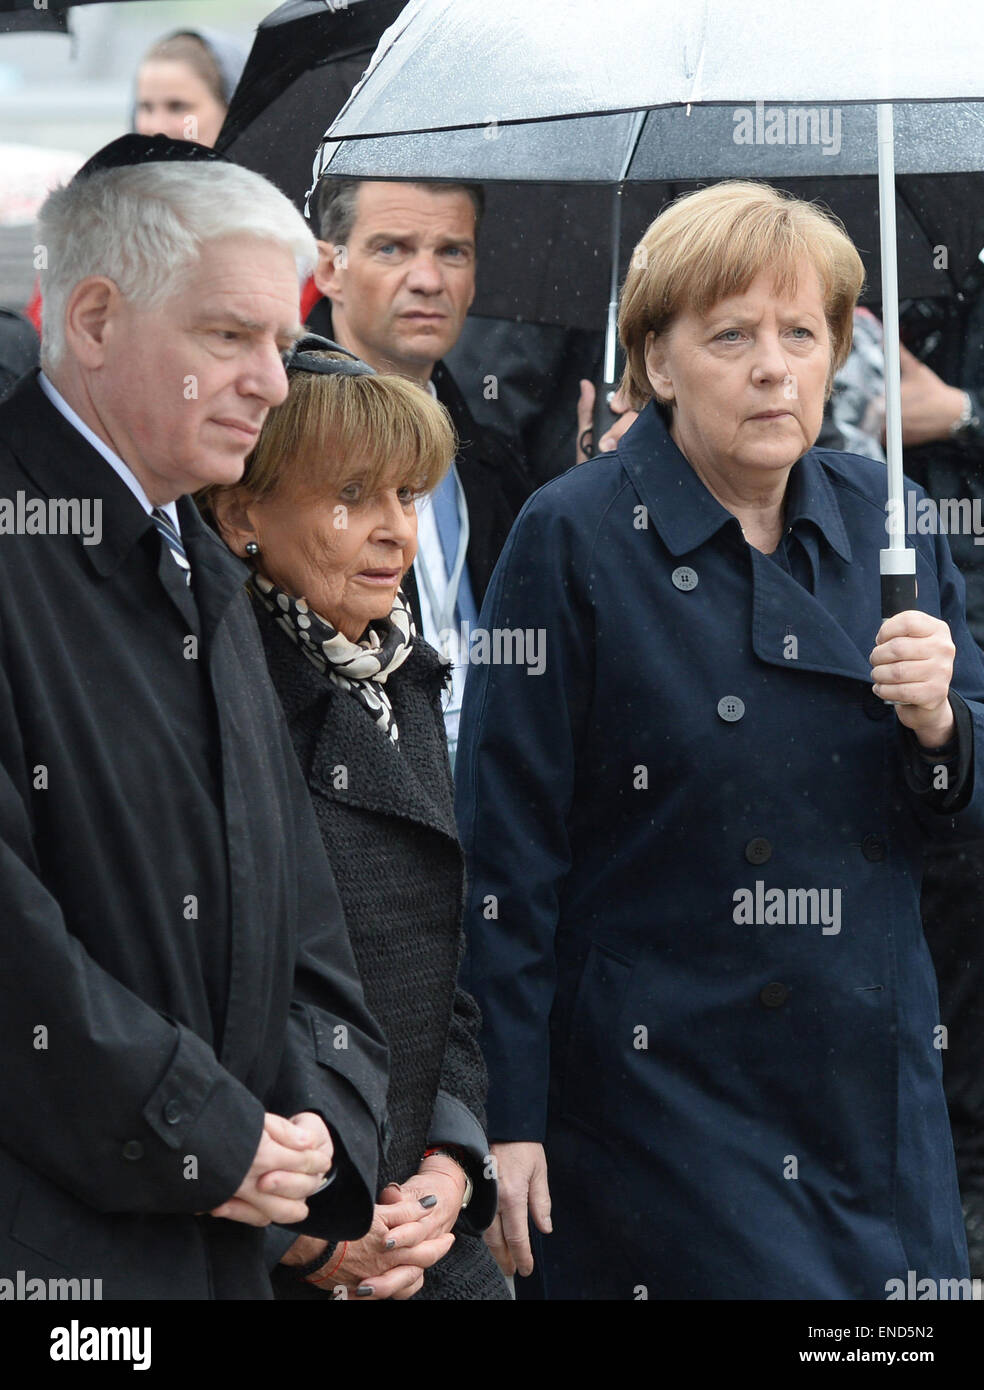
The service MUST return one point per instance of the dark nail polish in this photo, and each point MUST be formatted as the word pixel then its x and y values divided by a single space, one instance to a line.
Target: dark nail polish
pixel 390 1245
pixel 364 1291
pixel 428 1202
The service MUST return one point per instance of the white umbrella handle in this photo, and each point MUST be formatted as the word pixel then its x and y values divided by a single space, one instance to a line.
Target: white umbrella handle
pixel 898 562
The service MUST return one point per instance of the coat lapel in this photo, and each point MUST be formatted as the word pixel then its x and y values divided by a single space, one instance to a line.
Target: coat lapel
pixel 356 764
pixel 783 609
pixel 217 576
pixel 62 462
pixel 687 517
pixel 351 760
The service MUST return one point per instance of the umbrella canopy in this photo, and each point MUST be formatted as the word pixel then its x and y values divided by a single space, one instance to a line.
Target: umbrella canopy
pixel 306 58
pixel 554 241
pixel 760 139
pixel 453 63
pixel 462 64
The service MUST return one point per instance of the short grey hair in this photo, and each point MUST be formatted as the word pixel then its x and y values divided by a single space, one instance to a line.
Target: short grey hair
pixel 338 202
pixel 142 226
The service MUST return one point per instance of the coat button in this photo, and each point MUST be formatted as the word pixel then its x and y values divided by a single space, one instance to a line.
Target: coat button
pixel 173 1112
pixel 684 578
pixel 758 851
pixel 873 847
pixel 731 708
pixel 873 707
pixel 133 1149
pixel 774 995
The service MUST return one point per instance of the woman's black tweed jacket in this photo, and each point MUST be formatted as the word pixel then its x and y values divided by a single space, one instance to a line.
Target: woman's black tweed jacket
pixel 387 821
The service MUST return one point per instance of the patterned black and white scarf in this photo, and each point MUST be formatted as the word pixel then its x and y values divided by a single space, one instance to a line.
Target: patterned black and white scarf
pixel 362 667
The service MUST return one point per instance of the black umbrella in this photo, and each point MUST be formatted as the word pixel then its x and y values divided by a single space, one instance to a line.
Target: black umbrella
pixel 16 16
pixel 20 16
pixel 51 6
pixel 306 58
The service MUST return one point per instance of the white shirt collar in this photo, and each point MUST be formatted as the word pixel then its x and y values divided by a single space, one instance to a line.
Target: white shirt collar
pixel 113 459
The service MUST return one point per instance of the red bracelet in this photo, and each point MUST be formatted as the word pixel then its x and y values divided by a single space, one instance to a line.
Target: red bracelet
pixel 450 1149
pixel 320 1278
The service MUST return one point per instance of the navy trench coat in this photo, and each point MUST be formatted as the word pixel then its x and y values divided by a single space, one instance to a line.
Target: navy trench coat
pixel 739 1090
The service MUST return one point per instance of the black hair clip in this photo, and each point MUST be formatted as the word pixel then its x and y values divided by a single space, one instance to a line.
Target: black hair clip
pixel 303 357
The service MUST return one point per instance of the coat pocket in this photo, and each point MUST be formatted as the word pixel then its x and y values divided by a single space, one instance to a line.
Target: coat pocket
pixel 56 1225
pixel 596 1052
pixel 123 1255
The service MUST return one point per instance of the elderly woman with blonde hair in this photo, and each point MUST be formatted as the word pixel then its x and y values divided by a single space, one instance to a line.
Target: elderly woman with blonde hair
pixel 325 517
pixel 694 841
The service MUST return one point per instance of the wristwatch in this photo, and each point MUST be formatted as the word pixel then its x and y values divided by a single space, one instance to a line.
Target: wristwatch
pixel 469 1185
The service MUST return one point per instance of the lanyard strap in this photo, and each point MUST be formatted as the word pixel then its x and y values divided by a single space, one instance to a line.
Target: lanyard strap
pixel 443 613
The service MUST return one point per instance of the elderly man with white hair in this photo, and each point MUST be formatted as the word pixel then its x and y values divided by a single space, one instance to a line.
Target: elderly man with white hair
pixel 188 1057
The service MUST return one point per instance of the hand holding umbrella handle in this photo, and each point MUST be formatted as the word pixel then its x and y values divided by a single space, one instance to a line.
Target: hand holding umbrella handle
pixel 595 418
pixel 898 580
pixel 898 583
pixel 898 594
pixel 604 416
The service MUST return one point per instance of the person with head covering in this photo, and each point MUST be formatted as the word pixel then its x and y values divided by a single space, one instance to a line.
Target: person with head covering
pixel 694 835
pixel 185 84
pixel 188 1056
pixel 325 515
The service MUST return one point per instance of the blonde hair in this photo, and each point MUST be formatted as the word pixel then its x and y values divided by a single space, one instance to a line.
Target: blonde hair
pixel 710 245
pixel 333 427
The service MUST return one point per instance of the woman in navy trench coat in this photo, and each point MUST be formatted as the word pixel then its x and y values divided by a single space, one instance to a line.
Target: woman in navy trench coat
pixel 694 826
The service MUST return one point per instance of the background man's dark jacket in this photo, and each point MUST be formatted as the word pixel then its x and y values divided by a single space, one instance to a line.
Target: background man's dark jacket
pixel 175 960
pixel 537 370
pixel 948 335
pixel 19 348
pixel 494 479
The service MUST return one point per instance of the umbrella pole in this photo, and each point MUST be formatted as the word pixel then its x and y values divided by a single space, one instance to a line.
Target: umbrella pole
pixel 611 327
pixel 898 562
pixel 605 417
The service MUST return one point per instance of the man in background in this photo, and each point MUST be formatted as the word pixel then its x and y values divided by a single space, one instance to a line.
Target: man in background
pixel 396 267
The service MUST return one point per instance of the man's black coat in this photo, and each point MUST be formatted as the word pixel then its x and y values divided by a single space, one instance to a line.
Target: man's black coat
pixel 493 478
pixel 174 955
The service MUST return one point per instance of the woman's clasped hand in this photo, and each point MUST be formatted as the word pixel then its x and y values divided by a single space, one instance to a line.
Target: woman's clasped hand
pixel 410 1232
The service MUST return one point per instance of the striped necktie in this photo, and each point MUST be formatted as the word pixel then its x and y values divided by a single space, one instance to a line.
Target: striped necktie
pixel 171 537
